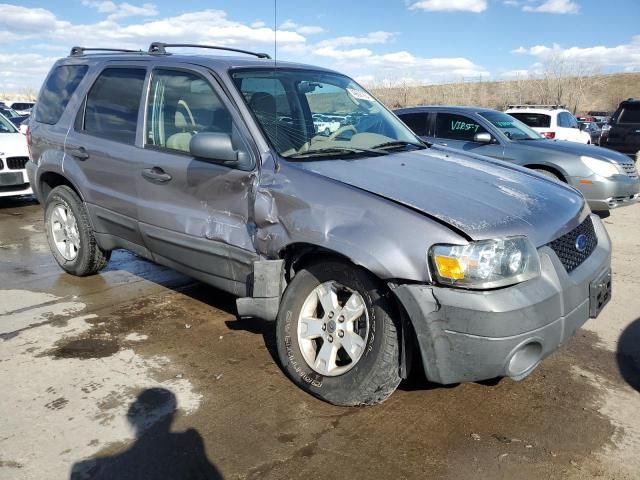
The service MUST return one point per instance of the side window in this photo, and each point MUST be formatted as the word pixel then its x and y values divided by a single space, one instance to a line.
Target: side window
pixel 416 122
pixel 56 92
pixel 457 127
pixel 111 109
pixel 180 105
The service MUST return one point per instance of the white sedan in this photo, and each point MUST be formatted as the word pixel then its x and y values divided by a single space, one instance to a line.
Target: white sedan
pixel 14 155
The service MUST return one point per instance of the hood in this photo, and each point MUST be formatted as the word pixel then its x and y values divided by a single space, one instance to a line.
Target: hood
pixel 13 145
pixel 482 197
pixel 574 148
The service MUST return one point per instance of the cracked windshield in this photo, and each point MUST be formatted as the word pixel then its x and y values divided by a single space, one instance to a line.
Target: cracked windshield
pixel 310 114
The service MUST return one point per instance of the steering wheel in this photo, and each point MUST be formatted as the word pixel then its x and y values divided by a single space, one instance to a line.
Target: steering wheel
pixel 341 130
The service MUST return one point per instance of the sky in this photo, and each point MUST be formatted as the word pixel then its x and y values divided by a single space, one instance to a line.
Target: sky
pixel 374 41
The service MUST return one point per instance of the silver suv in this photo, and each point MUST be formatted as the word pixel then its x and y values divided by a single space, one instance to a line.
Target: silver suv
pixel 365 245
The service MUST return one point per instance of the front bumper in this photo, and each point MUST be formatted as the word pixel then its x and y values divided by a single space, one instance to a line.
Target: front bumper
pixel 466 335
pixel 604 194
pixel 11 187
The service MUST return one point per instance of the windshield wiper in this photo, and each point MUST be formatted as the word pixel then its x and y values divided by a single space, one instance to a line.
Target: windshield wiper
pixel 333 151
pixel 399 144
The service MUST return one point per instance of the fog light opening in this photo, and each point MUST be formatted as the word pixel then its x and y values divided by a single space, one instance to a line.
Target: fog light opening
pixel 524 359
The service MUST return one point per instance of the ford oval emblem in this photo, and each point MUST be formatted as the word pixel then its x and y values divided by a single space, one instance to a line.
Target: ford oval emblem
pixel 581 243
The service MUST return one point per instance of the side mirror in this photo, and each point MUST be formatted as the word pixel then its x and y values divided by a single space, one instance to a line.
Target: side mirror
pixel 216 147
pixel 483 137
pixel 581 126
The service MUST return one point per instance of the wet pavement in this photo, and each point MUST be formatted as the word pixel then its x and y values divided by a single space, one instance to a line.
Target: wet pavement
pixel 147 373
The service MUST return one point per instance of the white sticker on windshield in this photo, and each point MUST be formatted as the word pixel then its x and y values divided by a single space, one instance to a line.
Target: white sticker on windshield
pixel 360 95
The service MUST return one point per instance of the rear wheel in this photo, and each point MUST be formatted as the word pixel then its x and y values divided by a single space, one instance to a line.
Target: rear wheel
pixel 70 235
pixel 336 335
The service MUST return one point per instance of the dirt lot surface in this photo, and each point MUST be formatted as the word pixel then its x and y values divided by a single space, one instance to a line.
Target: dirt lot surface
pixel 88 366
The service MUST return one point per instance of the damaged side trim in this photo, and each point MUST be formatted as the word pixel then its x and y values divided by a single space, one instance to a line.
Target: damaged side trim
pixel 268 284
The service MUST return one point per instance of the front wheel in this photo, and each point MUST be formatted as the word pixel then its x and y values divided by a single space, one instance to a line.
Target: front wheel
pixel 70 234
pixel 336 335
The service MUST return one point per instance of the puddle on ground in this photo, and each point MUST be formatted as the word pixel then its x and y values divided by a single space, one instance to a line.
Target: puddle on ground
pixel 86 348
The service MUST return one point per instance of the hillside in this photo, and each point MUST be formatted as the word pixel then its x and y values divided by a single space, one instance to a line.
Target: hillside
pixel 579 94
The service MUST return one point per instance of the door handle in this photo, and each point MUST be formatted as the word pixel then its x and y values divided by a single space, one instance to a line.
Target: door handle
pixel 443 144
pixel 80 153
pixel 156 175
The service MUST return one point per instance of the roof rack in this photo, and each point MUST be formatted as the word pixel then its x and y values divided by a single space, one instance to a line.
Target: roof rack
pixel 551 107
pixel 159 48
pixel 79 51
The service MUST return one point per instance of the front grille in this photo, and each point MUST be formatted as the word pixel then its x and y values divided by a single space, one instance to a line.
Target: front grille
pixel 17 163
pixel 565 246
pixel 630 169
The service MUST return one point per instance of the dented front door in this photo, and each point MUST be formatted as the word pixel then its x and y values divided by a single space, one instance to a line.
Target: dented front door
pixel 193 214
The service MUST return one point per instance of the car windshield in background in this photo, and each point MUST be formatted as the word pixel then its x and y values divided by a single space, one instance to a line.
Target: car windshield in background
pixel 307 113
pixel 630 114
pixel 6 126
pixel 513 128
pixel 535 120
pixel 7 112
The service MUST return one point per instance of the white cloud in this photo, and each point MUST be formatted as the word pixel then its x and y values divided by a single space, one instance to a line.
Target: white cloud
pixel 303 29
pixel 475 6
pixel 378 37
pixel 554 6
pixel 625 56
pixel 122 10
pixel 23 20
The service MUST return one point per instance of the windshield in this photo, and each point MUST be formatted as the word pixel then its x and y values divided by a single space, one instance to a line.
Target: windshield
pixel 303 112
pixel 6 126
pixel 512 128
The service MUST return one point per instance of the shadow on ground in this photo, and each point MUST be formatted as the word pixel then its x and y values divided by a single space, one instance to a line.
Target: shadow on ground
pixel 157 453
pixel 628 354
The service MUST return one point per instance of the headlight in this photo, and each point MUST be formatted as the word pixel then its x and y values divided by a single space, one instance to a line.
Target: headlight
pixel 603 168
pixel 485 264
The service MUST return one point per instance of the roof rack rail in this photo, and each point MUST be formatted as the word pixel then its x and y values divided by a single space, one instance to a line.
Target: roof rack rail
pixel 79 51
pixel 159 48
pixel 537 106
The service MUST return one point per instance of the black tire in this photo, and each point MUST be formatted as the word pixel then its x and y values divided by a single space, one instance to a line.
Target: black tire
pixel 90 258
pixel 376 374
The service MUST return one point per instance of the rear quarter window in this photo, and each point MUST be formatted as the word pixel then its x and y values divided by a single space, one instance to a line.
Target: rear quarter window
pixel 535 120
pixel 112 105
pixel 57 91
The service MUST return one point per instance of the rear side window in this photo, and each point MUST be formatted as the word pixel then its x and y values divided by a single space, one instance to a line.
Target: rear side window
pixel 416 122
pixel 535 120
pixel 457 127
pixel 112 105
pixel 630 114
pixel 57 91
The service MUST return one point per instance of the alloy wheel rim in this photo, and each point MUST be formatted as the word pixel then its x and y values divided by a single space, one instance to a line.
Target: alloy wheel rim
pixel 64 231
pixel 333 327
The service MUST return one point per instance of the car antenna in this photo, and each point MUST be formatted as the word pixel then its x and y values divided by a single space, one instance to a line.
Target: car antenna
pixel 276 162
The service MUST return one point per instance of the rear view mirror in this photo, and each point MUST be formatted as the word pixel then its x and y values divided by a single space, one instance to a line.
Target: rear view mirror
pixel 216 147
pixel 483 137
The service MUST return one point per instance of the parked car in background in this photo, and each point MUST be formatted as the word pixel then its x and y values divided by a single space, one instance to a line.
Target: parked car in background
pixel 14 155
pixel 325 125
pixel 592 128
pixel 552 121
pixel 607 179
pixel 363 246
pixel 13 116
pixel 623 134
pixel 21 106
